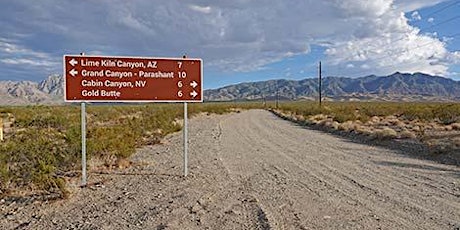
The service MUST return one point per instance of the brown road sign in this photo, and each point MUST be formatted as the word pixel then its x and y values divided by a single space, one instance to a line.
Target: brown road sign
pixel 132 79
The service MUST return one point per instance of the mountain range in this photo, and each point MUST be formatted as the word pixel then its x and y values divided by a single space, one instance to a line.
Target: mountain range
pixel 395 87
pixel 48 91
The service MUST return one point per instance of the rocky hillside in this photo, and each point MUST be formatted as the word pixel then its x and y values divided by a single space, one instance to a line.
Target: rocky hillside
pixel 397 86
pixel 49 91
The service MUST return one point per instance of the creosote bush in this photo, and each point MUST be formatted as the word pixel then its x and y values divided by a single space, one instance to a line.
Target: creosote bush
pixel 46 140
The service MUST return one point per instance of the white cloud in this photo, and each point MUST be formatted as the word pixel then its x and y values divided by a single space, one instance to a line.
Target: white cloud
pixel 201 9
pixel 237 35
pixel 14 54
pixel 411 5
pixel 396 46
pixel 25 61
pixel 430 20
pixel 415 16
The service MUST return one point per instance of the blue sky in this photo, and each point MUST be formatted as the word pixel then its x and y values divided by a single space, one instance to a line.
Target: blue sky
pixel 240 40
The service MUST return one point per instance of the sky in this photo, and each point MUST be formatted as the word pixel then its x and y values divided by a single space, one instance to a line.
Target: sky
pixel 238 40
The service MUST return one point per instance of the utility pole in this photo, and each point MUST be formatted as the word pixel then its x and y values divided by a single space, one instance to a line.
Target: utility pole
pixel 319 84
pixel 264 102
pixel 277 96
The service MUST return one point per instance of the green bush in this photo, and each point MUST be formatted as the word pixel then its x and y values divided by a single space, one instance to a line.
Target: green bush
pixel 46 141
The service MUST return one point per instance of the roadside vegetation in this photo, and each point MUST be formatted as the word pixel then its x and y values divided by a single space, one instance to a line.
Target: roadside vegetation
pixel 42 144
pixel 436 125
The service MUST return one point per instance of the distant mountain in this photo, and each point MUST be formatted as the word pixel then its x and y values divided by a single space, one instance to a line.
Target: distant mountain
pixel 49 91
pixel 398 86
pixel 395 87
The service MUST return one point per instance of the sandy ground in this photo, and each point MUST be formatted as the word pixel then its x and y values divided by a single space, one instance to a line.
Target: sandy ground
pixel 252 170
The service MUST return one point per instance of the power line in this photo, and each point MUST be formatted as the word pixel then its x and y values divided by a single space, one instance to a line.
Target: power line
pixel 442 9
pixel 429 27
pixel 443 22
pixel 401 52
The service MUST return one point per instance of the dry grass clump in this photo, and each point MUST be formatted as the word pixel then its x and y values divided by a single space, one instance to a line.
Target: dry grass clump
pixel 298 117
pixel 362 129
pixel 456 141
pixel 318 118
pixel 46 140
pixel 329 123
pixel 375 119
pixel 407 134
pixel 385 133
pixel 347 126
pixel 386 120
pixel 455 126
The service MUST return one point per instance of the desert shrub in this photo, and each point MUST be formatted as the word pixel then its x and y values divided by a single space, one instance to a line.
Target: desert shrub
pixel 32 158
pixel 385 133
pixel 447 114
pixel 408 134
pixel 46 141
pixel 455 126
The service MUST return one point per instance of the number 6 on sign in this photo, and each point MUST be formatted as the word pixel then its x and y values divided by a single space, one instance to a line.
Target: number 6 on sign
pixel 179 84
pixel 180 94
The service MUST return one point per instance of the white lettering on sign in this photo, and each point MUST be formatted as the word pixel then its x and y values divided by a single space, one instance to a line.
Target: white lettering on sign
pixel 109 73
pixel 110 93
pixel 157 74
pixel 118 84
pixel 141 84
pixel 130 65
pixel 137 79
pixel 87 73
pixel 108 63
pixel 152 64
pixel 91 83
pixel 86 62
pixel 90 93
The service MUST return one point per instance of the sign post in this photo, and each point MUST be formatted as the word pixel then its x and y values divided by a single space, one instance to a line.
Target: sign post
pixel 132 79
pixel 185 131
pixel 83 144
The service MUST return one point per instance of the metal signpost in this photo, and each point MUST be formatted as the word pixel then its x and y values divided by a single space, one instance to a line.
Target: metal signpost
pixel 132 79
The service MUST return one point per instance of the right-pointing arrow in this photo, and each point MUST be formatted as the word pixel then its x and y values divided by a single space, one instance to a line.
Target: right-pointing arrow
pixel 194 84
pixel 73 72
pixel 193 94
pixel 73 62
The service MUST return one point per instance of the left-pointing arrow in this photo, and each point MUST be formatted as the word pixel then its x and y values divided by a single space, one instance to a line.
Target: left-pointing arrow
pixel 73 62
pixel 73 72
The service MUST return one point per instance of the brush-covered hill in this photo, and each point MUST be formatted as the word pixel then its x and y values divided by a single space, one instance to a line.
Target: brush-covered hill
pixel 395 87
pixel 398 86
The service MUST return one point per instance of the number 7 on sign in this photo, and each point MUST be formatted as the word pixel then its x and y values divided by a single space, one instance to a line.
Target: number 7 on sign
pixel 179 63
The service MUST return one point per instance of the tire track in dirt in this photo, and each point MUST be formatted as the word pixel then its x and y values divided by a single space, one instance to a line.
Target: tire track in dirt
pixel 400 196
pixel 252 170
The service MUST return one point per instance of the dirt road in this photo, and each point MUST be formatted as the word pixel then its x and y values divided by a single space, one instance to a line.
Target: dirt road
pixel 252 170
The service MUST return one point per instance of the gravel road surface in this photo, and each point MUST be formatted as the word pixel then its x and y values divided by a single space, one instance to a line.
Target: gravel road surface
pixel 252 170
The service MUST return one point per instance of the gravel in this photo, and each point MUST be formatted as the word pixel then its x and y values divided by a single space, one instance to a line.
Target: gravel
pixel 252 170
